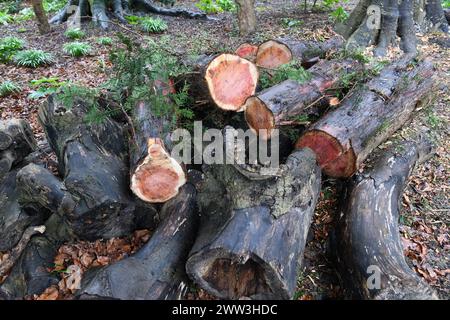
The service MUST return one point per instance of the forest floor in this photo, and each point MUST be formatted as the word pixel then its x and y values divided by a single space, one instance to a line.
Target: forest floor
pixel 425 216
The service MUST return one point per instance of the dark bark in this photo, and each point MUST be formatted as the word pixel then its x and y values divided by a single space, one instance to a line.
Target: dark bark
pixel 367 239
pixel 252 238
pixel 93 163
pixel 288 101
pixel 41 16
pixel 345 137
pixel 156 271
pixel 16 142
pixel 435 15
pixel 246 16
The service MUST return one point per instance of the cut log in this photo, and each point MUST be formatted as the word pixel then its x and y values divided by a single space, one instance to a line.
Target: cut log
pixel 156 271
pixel 252 237
pixel 290 99
pixel 155 176
pixel 344 138
pixel 225 81
pixel 247 51
pixel 274 53
pixel 367 241
pixel 14 220
pixel 16 142
pixel 92 159
pixel 31 273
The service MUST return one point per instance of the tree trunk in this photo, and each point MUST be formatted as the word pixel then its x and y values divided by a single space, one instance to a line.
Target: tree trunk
pixel 225 81
pixel 156 271
pixel 345 137
pixel 290 100
pixel 155 175
pixel 250 242
pixel 16 142
pixel 41 17
pixel 92 160
pixel 367 242
pixel 274 53
pixel 246 16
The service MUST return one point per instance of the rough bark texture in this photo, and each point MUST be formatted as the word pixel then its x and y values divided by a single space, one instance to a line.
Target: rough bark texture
pixel 252 238
pixel 367 236
pixel 246 16
pixel 41 17
pixel 156 271
pixel 290 100
pixel 16 142
pixel 155 175
pixel 345 137
pixel 92 160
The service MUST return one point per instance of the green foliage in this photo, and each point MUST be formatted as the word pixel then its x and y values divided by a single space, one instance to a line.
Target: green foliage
pixel 9 46
pixel 9 87
pixel 74 34
pixel 24 15
pixel 291 23
pixel 133 19
pixel 153 25
pixel 446 4
pixel 44 87
pixel 32 58
pixel 68 93
pixel 339 14
pixel 216 6
pixel 106 41
pixel 5 18
pixel 77 49
pixel 292 70
pixel 53 5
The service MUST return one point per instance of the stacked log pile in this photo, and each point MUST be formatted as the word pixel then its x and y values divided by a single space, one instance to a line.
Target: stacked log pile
pixel 237 231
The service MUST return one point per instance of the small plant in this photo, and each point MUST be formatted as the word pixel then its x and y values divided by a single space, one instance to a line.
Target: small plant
pixel 106 41
pixel 53 5
pixel 5 18
pixel 339 14
pixel 153 25
pixel 77 49
pixel 291 70
pixel 25 15
pixel 133 19
pixel 446 4
pixel 9 87
pixel 9 46
pixel 291 23
pixel 216 6
pixel 74 34
pixel 226 5
pixel 33 58
pixel 45 86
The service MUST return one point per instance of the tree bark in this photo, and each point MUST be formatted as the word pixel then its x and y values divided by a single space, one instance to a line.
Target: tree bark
pixel 345 137
pixel 92 160
pixel 246 16
pixel 251 241
pixel 366 241
pixel 16 142
pixel 41 17
pixel 290 100
pixel 156 271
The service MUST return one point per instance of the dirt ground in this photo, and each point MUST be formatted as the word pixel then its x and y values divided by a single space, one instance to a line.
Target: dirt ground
pixel 425 205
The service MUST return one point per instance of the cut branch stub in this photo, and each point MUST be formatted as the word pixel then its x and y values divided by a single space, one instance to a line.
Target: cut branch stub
pixel 231 80
pixel 344 138
pixel 272 54
pixel 247 51
pixel 159 176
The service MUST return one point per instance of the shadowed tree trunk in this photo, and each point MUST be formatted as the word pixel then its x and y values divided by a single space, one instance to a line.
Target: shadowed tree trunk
pixel 246 16
pixel 378 22
pixel 41 17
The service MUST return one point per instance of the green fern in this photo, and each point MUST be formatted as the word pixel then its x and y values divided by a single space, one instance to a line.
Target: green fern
pixel 33 58
pixel 9 87
pixel 10 46
pixel 292 71
pixel 153 25
pixel 74 34
pixel 45 86
pixel 77 49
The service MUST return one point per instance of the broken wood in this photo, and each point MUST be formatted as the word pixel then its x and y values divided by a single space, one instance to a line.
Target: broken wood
pixel 16 142
pixel 92 159
pixel 291 100
pixel 274 53
pixel 247 51
pixel 156 271
pixel 344 138
pixel 367 240
pixel 250 242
